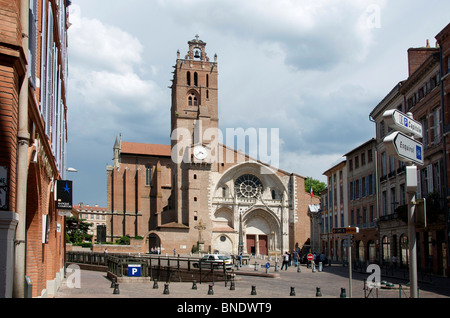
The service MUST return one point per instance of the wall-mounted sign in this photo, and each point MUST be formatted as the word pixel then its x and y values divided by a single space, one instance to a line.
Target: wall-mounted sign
pixel 63 194
pixel 3 188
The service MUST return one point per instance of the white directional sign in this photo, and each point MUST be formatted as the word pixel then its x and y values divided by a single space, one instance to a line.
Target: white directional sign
pixel 399 121
pixel 404 148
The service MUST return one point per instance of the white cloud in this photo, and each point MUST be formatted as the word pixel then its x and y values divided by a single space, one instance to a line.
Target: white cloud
pixel 94 45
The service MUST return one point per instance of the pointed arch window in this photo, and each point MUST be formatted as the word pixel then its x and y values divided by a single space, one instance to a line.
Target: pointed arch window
pixel 195 79
pixel 188 78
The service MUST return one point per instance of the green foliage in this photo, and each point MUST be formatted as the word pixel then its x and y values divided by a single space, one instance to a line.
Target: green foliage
pixel 124 240
pixel 317 186
pixel 77 231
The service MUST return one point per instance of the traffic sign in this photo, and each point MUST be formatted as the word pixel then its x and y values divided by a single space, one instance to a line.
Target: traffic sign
pixel 134 270
pixel 401 122
pixel 310 257
pixel 404 148
pixel 345 230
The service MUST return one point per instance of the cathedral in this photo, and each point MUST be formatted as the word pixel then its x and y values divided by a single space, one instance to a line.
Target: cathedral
pixel 198 194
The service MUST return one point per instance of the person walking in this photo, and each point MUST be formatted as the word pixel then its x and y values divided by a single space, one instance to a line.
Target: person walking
pixel 285 261
pixel 295 258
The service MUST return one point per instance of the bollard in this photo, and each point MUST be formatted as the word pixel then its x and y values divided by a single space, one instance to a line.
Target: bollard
pixel 256 266
pixel 194 284
pixel 343 293
pixel 210 290
pixel 166 289
pixel 276 266
pixel 232 285
pixel 253 290
pixel 155 284
pixel 298 268
pixel 318 293
pixel 113 282
pixel 292 291
pixel 116 289
pixel 320 266
pixel 313 267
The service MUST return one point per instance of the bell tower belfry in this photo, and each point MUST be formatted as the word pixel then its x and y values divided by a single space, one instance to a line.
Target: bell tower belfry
pixel 194 111
pixel 194 89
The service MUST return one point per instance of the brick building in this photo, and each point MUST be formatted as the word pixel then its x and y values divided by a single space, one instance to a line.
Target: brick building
pixel 33 133
pixel 423 94
pixel 197 194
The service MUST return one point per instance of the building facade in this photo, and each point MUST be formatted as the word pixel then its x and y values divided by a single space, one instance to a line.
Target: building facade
pixel 95 215
pixel 33 135
pixel 197 194
pixel 422 94
pixel 362 200
pixel 334 212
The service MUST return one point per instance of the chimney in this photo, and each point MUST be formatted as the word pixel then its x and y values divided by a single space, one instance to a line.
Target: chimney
pixel 416 56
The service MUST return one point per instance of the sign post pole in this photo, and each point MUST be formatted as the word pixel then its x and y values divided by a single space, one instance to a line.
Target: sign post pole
pixel 407 149
pixel 349 249
pixel 349 231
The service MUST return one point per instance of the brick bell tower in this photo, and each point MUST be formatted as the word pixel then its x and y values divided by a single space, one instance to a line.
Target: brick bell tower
pixel 194 115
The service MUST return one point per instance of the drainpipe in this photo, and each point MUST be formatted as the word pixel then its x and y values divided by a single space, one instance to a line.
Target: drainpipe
pixel 23 138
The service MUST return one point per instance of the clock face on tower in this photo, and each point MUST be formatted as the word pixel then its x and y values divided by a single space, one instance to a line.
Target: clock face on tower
pixel 200 152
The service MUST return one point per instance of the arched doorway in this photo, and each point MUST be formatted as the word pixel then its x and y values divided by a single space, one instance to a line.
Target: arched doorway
pixel 261 232
pixel 154 243
pixel 404 250
pixel 386 249
pixel 371 251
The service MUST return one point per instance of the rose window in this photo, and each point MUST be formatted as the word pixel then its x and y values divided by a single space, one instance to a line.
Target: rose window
pixel 248 186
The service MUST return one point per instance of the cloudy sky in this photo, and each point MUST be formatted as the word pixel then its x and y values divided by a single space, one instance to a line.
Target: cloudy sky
pixel 313 70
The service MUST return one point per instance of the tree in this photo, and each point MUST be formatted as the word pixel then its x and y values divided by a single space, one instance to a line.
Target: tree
pixel 317 186
pixel 77 230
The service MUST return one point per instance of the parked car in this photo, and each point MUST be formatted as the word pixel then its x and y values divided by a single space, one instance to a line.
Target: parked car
pixel 216 259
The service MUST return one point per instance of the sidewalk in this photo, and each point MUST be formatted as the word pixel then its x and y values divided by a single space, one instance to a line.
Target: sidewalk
pixel 330 282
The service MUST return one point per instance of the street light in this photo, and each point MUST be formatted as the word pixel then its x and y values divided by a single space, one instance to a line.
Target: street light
pixel 70 169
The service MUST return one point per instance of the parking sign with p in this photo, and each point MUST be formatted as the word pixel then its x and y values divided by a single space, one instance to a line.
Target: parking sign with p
pixel 134 270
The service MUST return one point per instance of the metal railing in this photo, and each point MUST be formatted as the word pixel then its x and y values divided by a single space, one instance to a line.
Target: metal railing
pixel 153 266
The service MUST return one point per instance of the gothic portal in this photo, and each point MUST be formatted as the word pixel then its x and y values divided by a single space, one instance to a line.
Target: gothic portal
pixel 196 193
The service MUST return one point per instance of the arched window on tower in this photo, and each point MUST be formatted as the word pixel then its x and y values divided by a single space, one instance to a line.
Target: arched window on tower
pixel 207 80
pixel 195 79
pixel 190 100
pixel 195 101
pixel 188 78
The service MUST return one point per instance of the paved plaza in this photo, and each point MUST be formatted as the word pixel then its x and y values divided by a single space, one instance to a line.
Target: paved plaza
pixel 331 282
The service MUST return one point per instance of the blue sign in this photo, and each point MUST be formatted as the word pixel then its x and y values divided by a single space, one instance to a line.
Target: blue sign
pixel 134 270
pixel 267 265
pixel 418 152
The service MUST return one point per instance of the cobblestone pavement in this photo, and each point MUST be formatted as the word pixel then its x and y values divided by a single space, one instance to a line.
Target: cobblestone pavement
pixel 282 284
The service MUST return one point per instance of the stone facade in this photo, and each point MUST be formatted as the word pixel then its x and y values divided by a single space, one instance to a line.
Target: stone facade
pixel 222 201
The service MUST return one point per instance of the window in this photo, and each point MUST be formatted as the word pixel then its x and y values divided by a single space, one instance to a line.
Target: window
pixel 188 78
pixel 195 79
pixel 369 155
pixel 148 175
pixel 207 80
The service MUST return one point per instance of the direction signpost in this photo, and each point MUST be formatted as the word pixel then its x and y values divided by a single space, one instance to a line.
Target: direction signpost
pixel 404 148
pixel 402 145
pixel 349 231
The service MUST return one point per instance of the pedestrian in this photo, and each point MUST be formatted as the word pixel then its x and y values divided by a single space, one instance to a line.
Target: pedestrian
pixel 174 252
pixel 394 262
pixel 295 257
pixel 240 259
pixel 285 261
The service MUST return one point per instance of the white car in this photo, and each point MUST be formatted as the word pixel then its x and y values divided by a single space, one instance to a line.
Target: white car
pixel 216 259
